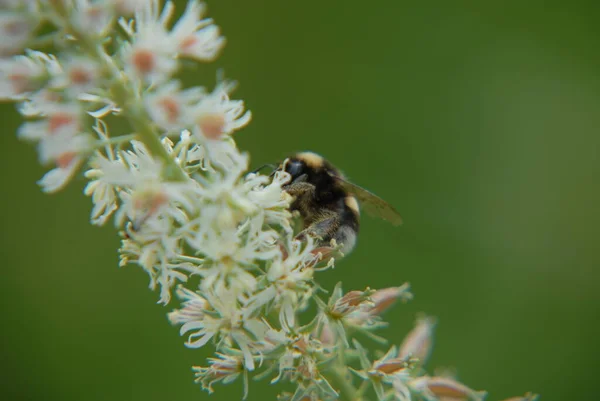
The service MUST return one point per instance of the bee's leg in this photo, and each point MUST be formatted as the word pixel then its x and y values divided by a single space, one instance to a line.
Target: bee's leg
pixel 300 188
pixel 323 230
pixel 331 228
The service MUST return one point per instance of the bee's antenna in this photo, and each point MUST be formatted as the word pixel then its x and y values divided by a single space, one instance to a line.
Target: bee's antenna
pixel 273 166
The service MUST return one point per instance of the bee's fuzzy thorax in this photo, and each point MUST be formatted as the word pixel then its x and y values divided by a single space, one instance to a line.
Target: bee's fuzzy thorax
pixel 329 212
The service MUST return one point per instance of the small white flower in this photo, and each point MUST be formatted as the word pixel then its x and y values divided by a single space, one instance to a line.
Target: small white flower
pixel 21 75
pixel 170 108
pixel 271 199
pixel 288 285
pixel 63 121
pixel 195 37
pixel 156 251
pixel 216 115
pixel 80 74
pixel 193 306
pixel 62 146
pixel 151 55
pixel 92 18
pixel 219 317
pixel 57 133
pixel 143 193
pixel 57 178
pixel 225 368
pixel 15 29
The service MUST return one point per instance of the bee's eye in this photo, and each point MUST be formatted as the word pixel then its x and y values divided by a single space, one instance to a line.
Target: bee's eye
pixel 295 168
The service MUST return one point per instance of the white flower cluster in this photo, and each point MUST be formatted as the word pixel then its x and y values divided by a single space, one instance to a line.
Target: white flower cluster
pixel 178 189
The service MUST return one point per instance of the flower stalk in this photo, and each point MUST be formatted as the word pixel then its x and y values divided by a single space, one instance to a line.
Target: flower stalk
pixel 179 191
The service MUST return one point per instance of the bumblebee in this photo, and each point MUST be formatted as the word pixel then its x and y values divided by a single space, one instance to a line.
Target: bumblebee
pixel 328 203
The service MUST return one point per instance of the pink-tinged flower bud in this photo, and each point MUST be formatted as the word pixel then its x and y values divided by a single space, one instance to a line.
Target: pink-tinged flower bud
pixel 447 389
pixel 418 343
pixel 526 397
pixel 327 336
pixel 350 302
pixel 383 299
pixel 391 364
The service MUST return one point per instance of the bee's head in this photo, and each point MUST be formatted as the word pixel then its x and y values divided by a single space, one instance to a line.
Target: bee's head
pixel 307 167
pixel 295 168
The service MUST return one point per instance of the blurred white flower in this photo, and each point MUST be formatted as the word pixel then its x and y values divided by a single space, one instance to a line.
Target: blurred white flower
pixel 21 75
pixel 216 115
pixel 16 28
pixel 151 54
pixel 225 368
pixel 79 75
pixel 92 18
pixel 219 317
pixel 195 37
pixel 58 177
pixel 171 108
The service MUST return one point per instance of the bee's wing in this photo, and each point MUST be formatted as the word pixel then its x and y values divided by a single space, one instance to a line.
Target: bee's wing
pixel 373 204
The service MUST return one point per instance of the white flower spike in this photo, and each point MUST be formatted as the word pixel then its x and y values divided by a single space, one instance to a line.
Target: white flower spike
pixel 178 189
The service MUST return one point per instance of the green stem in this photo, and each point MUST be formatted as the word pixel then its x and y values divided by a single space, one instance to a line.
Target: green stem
pixel 362 389
pixel 340 376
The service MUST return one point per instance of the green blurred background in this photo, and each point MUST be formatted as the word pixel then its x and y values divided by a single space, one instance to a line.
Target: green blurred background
pixel 478 120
